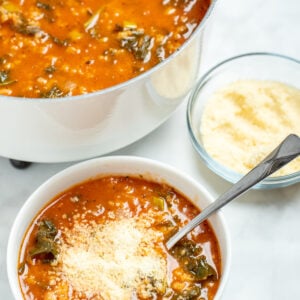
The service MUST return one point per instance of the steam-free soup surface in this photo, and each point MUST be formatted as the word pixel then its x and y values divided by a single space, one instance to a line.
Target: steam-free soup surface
pixel 52 48
pixel 105 239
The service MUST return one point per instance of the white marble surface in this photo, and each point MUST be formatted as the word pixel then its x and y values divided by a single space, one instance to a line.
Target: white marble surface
pixel 264 225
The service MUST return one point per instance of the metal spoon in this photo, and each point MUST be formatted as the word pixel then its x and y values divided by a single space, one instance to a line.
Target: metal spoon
pixel 280 156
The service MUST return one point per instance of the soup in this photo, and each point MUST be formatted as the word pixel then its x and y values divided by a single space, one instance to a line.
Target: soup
pixel 52 48
pixel 105 239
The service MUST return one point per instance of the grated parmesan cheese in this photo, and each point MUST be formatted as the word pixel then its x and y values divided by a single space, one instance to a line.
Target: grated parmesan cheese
pixel 115 260
pixel 244 121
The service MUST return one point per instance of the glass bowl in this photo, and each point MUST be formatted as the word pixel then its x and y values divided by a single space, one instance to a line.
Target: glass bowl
pixel 257 66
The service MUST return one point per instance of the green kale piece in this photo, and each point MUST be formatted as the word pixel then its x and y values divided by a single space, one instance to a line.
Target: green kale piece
pixel 191 259
pixel 50 69
pixel 60 42
pixel 54 92
pixel 137 42
pixel 191 293
pixel 5 78
pixel 43 5
pixel 22 26
pixel 201 268
pixel 46 244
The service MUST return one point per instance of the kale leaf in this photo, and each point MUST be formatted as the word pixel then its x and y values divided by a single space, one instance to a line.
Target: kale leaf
pixel 54 92
pixel 46 243
pixel 5 78
pixel 191 259
pixel 137 42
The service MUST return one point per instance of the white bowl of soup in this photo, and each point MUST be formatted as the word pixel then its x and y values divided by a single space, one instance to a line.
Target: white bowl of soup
pixel 97 230
pixel 81 79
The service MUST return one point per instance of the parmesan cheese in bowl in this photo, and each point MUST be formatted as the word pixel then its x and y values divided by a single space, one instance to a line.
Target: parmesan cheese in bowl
pixel 241 109
pixel 98 230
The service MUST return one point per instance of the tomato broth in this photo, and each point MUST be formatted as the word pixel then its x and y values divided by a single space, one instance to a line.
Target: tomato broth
pixel 105 239
pixel 52 48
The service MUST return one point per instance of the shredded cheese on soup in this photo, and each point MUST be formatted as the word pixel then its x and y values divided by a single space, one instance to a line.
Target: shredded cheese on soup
pixel 117 257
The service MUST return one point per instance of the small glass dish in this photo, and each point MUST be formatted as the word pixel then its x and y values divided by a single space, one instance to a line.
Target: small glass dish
pixel 258 66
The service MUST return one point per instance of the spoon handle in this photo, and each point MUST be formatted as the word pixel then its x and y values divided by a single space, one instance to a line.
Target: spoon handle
pixel 283 154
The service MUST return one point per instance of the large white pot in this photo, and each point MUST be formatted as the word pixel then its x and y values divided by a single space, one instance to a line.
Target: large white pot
pixel 80 127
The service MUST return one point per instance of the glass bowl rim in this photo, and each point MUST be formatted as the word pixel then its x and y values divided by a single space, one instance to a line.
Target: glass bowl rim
pixel 224 172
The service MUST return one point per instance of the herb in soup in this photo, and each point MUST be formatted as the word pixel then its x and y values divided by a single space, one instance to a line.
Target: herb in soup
pixel 53 92
pixel 121 38
pixel 5 78
pixel 105 239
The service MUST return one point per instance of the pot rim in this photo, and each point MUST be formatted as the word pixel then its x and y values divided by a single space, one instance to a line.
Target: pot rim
pixel 122 84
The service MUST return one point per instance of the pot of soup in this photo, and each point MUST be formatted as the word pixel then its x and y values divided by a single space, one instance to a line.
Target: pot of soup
pixel 83 78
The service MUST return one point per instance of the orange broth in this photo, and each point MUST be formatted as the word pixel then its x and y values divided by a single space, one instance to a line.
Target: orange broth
pixel 52 48
pixel 103 202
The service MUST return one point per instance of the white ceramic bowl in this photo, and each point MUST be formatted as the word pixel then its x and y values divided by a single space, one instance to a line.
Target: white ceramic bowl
pixel 114 165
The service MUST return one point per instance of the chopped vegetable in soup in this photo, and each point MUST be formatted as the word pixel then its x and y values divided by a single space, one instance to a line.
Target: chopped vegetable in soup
pixel 52 48
pixel 105 239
